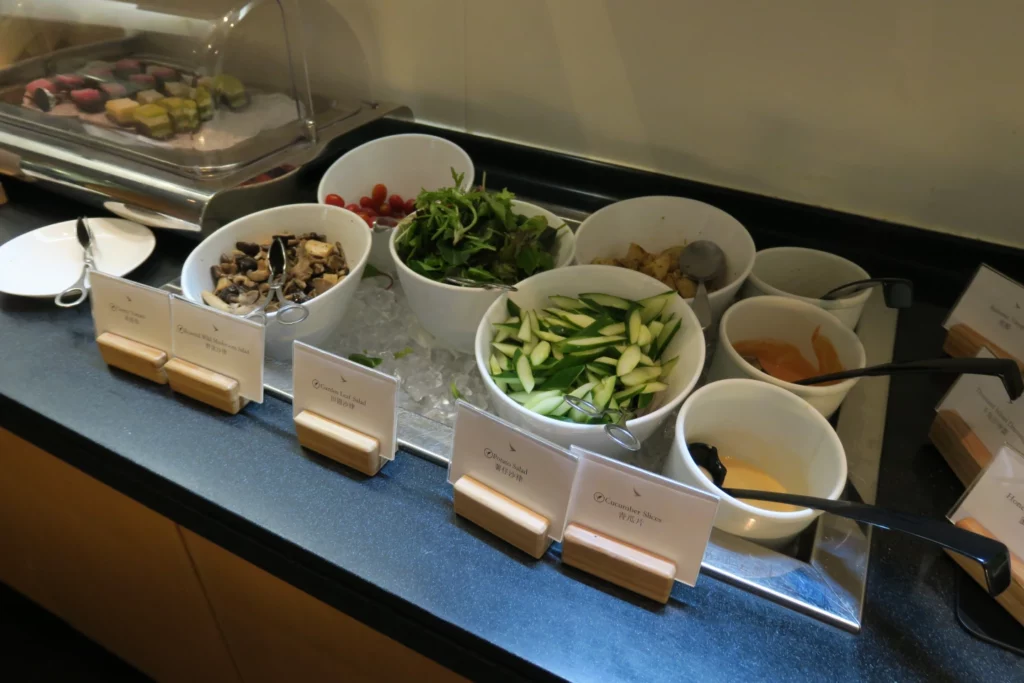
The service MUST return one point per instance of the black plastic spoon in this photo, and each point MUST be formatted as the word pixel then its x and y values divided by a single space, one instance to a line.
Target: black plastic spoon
pixel 898 292
pixel 1005 369
pixel 993 556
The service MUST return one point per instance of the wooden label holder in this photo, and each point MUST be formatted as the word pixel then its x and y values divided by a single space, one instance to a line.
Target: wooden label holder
pixel 135 357
pixel 963 341
pixel 959 445
pixel 502 516
pixel 212 388
pixel 339 443
pixel 1012 599
pixel 623 564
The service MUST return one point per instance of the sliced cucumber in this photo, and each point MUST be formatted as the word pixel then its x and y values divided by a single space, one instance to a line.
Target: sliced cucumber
pixel 642 401
pixel 511 307
pixel 527 396
pixel 635 322
pixel 545 404
pixel 549 336
pixel 613 404
pixel 607 300
pixel 508 350
pixel 567 303
pixel 557 353
pixel 579 392
pixel 641 375
pixel 628 360
pixel 652 306
pixel 525 334
pixel 646 360
pixel 578 416
pixel 625 394
pixel 655 326
pixel 540 353
pixel 534 323
pixel 654 387
pixel 524 371
pixel 665 338
pixel 603 392
pixel 502 333
pixel 593 376
pixel 590 342
pixel 645 336
pixel 580 320
pixel 492 363
pixel 667 367
pixel 529 346
pixel 562 379
pixel 614 328
pixel 607 361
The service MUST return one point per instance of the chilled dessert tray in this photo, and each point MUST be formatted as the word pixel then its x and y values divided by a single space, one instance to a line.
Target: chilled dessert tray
pixel 822 573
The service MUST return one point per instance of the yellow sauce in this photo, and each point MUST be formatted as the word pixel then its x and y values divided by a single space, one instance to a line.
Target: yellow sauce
pixel 742 475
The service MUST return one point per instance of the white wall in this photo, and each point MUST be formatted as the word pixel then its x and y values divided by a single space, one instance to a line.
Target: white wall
pixel 907 110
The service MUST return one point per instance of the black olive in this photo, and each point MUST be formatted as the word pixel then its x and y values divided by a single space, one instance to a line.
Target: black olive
pixel 248 248
pixel 215 273
pixel 246 264
pixel 229 293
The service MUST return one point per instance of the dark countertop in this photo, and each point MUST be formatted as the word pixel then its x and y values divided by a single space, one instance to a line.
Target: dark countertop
pixel 389 551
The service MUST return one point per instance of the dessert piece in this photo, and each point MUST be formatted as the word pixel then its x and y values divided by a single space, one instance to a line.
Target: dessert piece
pixel 122 111
pixel 204 103
pixel 149 97
pixel 88 100
pixel 184 113
pixel 206 82
pixel 153 121
pixel 67 82
pixel 114 91
pixel 231 92
pixel 126 68
pixel 100 73
pixel 44 83
pixel 162 74
pixel 176 89
pixel 142 81
pixel 44 99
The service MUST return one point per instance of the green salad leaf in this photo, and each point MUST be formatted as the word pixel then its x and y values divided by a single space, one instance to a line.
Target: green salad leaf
pixel 475 234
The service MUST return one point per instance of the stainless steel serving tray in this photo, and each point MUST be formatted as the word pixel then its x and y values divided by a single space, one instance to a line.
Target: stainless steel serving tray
pixel 824 572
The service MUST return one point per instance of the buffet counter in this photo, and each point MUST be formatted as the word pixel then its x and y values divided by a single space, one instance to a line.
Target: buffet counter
pixel 300 567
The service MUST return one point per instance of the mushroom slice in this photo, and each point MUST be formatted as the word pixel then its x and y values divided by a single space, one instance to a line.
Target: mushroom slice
pixel 214 301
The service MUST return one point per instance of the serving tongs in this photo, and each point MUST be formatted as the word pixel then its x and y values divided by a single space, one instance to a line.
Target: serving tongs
pixel 79 290
pixel 289 312
pixel 993 556
pixel 616 430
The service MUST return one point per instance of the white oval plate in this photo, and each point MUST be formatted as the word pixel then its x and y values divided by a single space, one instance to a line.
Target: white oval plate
pixel 45 262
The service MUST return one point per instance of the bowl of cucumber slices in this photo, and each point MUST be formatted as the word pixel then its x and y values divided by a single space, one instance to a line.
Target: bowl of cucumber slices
pixel 618 339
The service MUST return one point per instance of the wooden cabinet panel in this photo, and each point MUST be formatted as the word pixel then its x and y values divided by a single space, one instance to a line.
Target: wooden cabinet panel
pixel 112 568
pixel 276 632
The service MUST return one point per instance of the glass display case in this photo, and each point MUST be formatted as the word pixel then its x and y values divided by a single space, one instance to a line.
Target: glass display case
pixel 161 109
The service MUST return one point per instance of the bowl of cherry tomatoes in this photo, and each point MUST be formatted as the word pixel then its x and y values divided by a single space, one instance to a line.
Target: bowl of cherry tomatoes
pixel 382 178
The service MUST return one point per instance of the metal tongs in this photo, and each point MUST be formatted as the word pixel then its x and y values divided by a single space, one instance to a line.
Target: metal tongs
pixel 617 430
pixel 289 312
pixel 79 290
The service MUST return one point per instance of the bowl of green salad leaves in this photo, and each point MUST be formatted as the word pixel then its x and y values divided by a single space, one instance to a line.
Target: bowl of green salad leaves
pixel 479 239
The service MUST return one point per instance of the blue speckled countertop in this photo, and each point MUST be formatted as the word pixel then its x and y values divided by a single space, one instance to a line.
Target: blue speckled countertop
pixel 390 552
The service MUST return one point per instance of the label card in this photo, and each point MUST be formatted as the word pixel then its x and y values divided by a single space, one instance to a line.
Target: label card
pixel 643 509
pixel 131 310
pixel 983 404
pixel 533 472
pixel 993 306
pixel 348 393
pixel 996 499
pixel 220 342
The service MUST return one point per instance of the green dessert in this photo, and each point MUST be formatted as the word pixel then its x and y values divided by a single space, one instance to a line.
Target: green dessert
pixel 153 121
pixel 204 102
pixel 176 89
pixel 231 91
pixel 148 97
pixel 184 113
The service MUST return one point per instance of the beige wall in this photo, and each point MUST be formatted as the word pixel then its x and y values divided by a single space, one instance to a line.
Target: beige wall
pixel 908 110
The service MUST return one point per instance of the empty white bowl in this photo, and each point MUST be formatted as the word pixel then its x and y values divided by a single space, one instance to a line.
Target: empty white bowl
pixel 793 321
pixel 657 223
pixel 326 310
pixel 688 345
pixel 772 430
pixel 406 164
pixel 806 274
pixel 452 313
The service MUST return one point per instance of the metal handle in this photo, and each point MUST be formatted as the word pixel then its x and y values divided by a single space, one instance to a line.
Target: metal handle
pixel 898 292
pixel 702 306
pixel 292 314
pixel 992 555
pixel 617 431
pixel 76 293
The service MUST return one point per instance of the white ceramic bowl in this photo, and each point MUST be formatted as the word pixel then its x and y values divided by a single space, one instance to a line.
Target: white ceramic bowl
pixel 326 310
pixel 793 321
pixel 406 164
pixel 452 313
pixel 657 223
pixel 770 429
pixel 806 274
pixel 688 345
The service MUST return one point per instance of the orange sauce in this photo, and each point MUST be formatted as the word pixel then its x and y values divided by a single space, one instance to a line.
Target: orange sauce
pixel 784 361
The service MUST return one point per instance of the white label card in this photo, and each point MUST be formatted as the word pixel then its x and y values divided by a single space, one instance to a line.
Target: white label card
pixel 131 310
pixel 643 509
pixel 993 306
pixel 351 394
pixel 996 499
pixel 983 404
pixel 529 470
pixel 220 342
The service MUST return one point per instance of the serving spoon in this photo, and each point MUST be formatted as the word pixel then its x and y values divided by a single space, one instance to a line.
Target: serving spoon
pixel 898 292
pixel 993 556
pixel 702 261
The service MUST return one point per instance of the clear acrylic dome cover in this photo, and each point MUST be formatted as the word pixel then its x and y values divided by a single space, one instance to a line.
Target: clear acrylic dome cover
pixel 201 87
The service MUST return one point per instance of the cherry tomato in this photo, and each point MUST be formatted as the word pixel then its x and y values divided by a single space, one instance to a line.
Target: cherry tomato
pixel 379 194
pixel 367 202
pixel 368 218
pixel 385 209
pixel 334 200
pixel 410 205
pixel 369 211
pixel 396 202
pixel 354 208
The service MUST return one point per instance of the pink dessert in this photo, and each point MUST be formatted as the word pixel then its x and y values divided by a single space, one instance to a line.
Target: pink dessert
pixel 88 100
pixel 126 67
pixel 144 81
pixel 162 74
pixel 69 82
pixel 44 83
pixel 114 91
